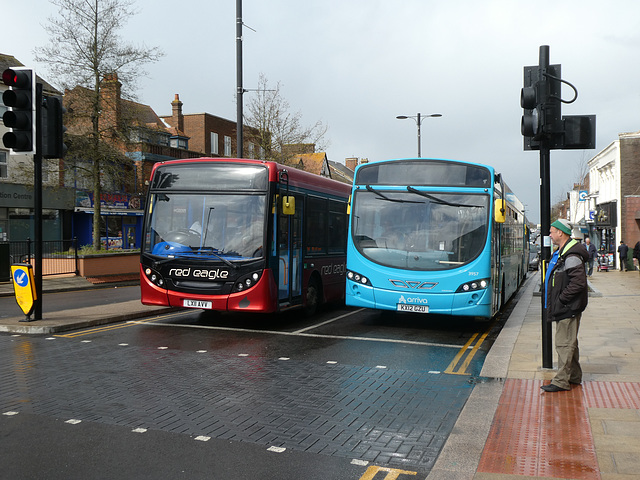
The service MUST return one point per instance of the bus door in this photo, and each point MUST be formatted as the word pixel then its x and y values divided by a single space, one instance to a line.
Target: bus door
pixel 496 263
pixel 289 237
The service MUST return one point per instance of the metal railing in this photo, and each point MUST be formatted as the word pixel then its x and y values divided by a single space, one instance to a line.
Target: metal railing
pixel 58 256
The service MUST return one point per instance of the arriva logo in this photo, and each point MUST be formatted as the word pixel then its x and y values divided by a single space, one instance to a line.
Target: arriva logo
pixel 412 300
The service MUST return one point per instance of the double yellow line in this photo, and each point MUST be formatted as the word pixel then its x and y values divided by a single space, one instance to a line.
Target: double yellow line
pixel 461 361
pixel 105 328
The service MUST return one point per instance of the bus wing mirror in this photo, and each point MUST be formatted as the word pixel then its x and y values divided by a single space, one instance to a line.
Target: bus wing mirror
pixel 288 205
pixel 499 211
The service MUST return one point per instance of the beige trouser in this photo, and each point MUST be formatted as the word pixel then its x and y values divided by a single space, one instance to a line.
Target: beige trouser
pixel 569 370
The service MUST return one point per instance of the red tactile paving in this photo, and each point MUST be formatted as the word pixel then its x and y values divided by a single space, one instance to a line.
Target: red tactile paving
pixel 540 434
pixel 612 395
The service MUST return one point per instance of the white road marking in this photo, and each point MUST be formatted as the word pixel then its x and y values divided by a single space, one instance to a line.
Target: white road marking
pixel 328 321
pixel 9 414
pixel 139 430
pixel 73 421
pixel 308 335
pixel 202 438
pixel 276 449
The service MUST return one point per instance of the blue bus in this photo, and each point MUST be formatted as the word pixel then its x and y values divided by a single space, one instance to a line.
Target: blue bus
pixel 434 236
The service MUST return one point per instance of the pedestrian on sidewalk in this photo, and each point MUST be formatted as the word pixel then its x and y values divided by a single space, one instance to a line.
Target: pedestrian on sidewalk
pixel 636 252
pixel 623 250
pixel 593 254
pixel 566 297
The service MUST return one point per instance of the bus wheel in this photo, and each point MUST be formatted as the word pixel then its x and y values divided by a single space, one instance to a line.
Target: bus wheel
pixel 313 297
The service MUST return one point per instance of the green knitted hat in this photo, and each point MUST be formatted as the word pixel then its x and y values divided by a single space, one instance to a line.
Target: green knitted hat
pixel 562 225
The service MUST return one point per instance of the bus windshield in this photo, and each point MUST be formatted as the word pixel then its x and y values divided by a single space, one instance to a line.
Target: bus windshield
pixel 419 230
pixel 226 227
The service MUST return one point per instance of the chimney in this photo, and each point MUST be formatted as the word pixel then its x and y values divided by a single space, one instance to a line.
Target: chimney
pixel 351 163
pixel 110 91
pixel 176 114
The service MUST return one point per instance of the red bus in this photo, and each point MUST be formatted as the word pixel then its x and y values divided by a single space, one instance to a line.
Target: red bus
pixel 242 235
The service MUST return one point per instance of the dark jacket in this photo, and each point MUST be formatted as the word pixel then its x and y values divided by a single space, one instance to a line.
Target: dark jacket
pixel 567 292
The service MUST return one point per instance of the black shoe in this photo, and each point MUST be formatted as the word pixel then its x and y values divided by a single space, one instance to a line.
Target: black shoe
pixel 553 388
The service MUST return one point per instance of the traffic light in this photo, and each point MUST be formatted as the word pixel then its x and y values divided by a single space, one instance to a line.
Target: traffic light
pixel 20 98
pixel 540 99
pixel 52 128
pixel 530 101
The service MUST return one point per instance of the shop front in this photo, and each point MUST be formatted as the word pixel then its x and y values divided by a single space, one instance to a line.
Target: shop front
pixel 17 213
pixel 120 219
pixel 605 223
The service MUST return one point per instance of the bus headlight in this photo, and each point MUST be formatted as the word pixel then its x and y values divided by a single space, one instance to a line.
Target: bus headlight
pixel 473 286
pixel 356 277
pixel 246 281
pixel 154 277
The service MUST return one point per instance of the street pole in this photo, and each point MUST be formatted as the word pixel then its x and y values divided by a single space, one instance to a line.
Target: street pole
pixel 545 225
pixel 418 118
pixel 419 140
pixel 240 88
pixel 37 207
pixel 545 219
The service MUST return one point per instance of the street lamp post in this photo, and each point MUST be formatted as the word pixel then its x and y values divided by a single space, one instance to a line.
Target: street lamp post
pixel 418 118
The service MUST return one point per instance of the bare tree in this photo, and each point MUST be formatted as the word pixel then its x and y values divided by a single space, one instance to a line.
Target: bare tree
pixel 83 49
pixel 268 112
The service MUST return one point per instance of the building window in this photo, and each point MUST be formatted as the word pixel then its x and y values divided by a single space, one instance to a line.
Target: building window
pixel 214 143
pixel 227 146
pixel 179 142
pixel 251 150
pixel 3 165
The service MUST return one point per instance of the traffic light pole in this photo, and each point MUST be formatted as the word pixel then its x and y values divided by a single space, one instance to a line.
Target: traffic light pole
pixel 545 202
pixel 545 225
pixel 37 207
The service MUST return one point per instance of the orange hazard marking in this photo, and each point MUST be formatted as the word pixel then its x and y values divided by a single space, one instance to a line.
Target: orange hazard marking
pixel 540 434
pixel 392 473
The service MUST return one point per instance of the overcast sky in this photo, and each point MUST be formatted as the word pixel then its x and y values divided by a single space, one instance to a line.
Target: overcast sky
pixel 357 64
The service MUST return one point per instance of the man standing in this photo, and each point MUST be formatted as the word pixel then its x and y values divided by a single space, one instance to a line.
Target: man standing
pixel 593 254
pixel 566 297
pixel 623 250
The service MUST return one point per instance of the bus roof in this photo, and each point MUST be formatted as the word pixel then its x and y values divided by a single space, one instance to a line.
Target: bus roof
pixel 297 178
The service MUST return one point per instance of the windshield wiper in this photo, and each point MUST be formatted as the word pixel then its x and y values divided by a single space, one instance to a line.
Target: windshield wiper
pixel 210 250
pixel 195 253
pixel 438 200
pixel 372 190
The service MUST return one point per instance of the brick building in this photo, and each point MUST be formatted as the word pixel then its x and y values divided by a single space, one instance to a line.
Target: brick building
pixel 137 139
pixel 211 135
